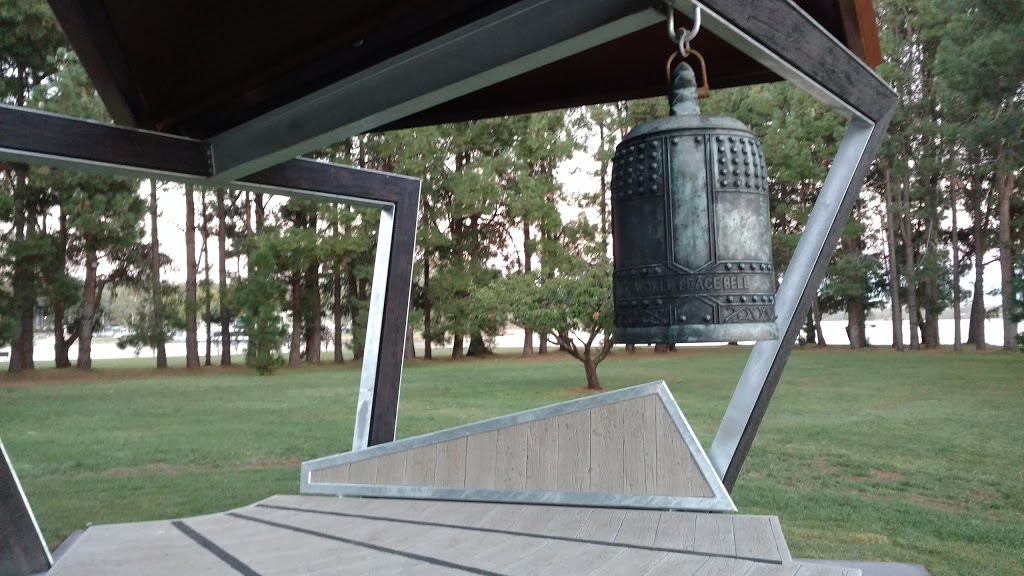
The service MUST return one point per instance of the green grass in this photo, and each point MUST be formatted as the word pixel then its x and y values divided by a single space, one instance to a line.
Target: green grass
pixel 863 455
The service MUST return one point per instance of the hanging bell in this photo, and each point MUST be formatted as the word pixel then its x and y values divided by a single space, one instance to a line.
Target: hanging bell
pixel 691 228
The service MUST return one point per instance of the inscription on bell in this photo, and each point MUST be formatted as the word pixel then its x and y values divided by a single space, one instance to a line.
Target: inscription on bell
pixel 686 284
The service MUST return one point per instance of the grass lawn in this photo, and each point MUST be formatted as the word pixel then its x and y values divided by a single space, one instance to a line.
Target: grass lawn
pixel 863 455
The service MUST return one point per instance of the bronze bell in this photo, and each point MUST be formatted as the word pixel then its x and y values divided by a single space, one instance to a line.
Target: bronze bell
pixel 691 228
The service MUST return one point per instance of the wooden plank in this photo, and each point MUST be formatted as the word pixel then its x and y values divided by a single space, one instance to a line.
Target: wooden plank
pixel 573 468
pixel 541 455
pixel 780 539
pixel 763 569
pixel 724 567
pixel 606 443
pixel 480 459
pixel 755 538
pixel 501 517
pixel 568 522
pixel 639 527
pixel 363 471
pixel 714 534
pixel 542 558
pixel 678 565
pixel 640 448
pixel 585 561
pixel 420 464
pixel 391 469
pixel 333 475
pixel 677 530
pixel 602 525
pixel 630 563
pixel 534 519
pixel 807 569
pixel 510 466
pixel 676 471
pixel 451 464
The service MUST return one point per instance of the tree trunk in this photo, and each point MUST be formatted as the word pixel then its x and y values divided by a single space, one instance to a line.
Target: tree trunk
pixel 590 367
pixel 314 326
pixel 857 320
pixel 912 308
pixel 156 293
pixel 819 336
pixel 527 268
pixel 477 346
pixel 261 213
pixel 222 270
pixel 542 347
pixel 24 285
pixel 191 272
pixel 295 345
pixel 1004 182
pixel 955 241
pixel 457 347
pixel 976 326
pixel 208 297
pixel 661 349
pixel 90 303
pixel 61 345
pixel 336 309
pixel 894 270
pixel 930 326
pixel 427 320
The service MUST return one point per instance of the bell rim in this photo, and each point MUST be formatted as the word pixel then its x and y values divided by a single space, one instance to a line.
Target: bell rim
pixel 697 333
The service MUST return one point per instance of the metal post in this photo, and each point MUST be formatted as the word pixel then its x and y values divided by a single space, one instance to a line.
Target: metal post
pixel 374 325
pixel 801 280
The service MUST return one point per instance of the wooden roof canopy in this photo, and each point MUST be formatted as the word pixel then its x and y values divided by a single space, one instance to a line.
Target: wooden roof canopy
pixel 197 68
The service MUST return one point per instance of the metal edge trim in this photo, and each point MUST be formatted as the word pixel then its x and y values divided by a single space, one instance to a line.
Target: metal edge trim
pixel 696 450
pixel 486 425
pixel 592 499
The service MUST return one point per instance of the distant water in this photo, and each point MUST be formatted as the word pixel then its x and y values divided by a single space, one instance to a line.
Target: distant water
pixel 879 333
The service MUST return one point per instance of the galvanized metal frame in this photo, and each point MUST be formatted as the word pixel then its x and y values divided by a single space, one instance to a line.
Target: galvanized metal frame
pixel 854 91
pixel 42 138
pixel 720 502
pixel 514 40
pixel 22 546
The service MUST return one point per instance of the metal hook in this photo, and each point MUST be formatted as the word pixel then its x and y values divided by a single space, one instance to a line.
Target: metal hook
pixel 682 37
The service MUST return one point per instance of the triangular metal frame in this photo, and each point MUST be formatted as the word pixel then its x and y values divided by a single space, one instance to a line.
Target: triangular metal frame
pixel 719 502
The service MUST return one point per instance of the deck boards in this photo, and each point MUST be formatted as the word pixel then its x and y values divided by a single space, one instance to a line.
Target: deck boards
pixel 319 535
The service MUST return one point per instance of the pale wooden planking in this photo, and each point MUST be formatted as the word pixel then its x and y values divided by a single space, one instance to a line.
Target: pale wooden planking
pixel 780 539
pixel 763 569
pixel 606 442
pixel 806 569
pixel 391 469
pixel 602 525
pixel 573 467
pixel 630 563
pixel 501 516
pixel 714 534
pixel 363 471
pixel 542 558
pixel 534 519
pixel 678 565
pixel 541 455
pixel 676 472
pixel 480 460
pixel 420 464
pixel 585 561
pixel 724 567
pixel 510 467
pixel 451 464
pixel 568 523
pixel 640 448
pixel 639 528
pixel 755 538
pixel 677 530
pixel 333 475
pixel 531 521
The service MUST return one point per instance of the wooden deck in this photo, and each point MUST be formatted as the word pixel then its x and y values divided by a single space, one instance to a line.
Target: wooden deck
pixel 325 535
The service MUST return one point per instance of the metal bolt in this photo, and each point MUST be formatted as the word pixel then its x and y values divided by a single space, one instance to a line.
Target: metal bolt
pixel 707 317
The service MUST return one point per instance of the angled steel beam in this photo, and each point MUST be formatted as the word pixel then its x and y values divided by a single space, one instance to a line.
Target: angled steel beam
pixel 827 70
pixel 517 39
pixel 23 549
pixel 40 138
